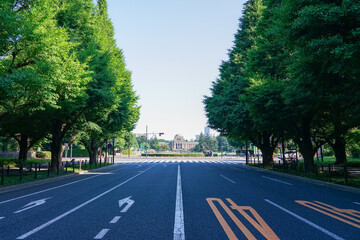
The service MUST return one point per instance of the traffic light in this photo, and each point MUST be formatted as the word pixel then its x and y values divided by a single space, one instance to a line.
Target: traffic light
pixel 161 134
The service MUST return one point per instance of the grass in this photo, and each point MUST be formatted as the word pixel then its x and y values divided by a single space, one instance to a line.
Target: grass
pixel 331 160
pixel 29 176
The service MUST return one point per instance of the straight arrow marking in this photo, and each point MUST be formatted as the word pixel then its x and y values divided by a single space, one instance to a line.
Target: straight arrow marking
pixel 129 203
pixel 33 204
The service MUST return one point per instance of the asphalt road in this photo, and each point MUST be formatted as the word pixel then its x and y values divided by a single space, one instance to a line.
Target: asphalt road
pixel 179 199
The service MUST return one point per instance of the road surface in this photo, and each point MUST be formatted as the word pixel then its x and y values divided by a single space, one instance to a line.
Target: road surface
pixel 179 199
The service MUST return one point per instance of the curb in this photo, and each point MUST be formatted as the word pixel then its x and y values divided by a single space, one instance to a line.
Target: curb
pixel 48 180
pixel 309 180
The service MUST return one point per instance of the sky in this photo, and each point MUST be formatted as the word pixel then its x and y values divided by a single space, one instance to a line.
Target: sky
pixel 174 50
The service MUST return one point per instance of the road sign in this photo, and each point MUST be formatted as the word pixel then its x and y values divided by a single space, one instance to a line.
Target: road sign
pixel 109 145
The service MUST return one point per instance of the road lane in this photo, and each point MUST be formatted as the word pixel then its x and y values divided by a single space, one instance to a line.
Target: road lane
pixel 246 207
pixel 63 199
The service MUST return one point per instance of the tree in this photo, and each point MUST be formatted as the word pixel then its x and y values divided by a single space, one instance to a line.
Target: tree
pixel 323 38
pixel 36 59
pixel 206 143
pixel 111 106
pixel 154 143
pixel 227 109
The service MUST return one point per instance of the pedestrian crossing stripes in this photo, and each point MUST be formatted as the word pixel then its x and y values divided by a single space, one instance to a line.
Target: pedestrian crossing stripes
pixel 165 161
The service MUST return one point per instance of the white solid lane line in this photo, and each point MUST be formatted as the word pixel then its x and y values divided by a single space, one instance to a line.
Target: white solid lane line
pixel 115 219
pixel 356 203
pixel 49 189
pixel 330 234
pixel 76 208
pixel 2 218
pixel 179 231
pixel 101 234
pixel 227 178
pixel 276 180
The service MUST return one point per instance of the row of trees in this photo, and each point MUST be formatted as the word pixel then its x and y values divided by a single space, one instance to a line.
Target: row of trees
pixel 62 77
pixel 293 73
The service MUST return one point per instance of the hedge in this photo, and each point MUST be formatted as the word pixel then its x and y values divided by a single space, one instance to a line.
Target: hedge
pixel 173 154
pixel 77 153
pixel 15 162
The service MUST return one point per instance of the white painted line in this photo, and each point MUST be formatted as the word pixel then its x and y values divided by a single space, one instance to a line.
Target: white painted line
pixel 77 208
pixel 115 219
pixel 227 178
pixel 273 179
pixel 101 234
pixel 306 221
pixel 357 203
pixel 179 231
pixel 49 189
pixel 2 218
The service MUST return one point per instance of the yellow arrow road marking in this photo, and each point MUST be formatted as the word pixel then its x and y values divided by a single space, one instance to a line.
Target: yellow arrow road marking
pixel 341 214
pixel 259 224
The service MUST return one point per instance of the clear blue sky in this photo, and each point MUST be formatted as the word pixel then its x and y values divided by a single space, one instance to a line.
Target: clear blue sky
pixel 174 49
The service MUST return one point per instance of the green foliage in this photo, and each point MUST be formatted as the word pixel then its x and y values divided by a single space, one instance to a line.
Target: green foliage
pixel 43 154
pixel 125 152
pixel 78 153
pixel 206 143
pixel 164 147
pixel 291 75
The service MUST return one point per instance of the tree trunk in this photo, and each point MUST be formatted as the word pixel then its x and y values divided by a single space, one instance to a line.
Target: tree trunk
pixel 56 146
pixel 93 149
pixel 267 151
pixel 339 149
pixel 306 147
pixel 24 147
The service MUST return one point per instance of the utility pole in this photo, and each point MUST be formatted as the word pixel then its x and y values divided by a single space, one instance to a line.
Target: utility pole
pixel 221 144
pixel 146 145
pixel 113 160
pixel 247 155
pixel 129 145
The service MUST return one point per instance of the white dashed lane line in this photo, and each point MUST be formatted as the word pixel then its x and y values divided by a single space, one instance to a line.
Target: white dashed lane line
pixel 276 180
pixel 227 179
pixel 101 234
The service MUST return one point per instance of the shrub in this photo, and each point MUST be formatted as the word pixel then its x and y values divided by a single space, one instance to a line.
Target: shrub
pixel 43 154
pixel 126 152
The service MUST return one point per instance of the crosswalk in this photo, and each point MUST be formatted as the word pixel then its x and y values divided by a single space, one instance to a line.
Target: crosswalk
pixel 170 161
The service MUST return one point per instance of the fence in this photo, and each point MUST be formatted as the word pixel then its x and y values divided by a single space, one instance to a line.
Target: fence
pixel 11 175
pixel 329 172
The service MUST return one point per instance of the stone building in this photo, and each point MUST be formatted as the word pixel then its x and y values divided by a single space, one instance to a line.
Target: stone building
pixel 179 144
